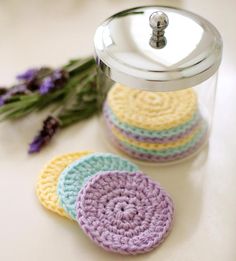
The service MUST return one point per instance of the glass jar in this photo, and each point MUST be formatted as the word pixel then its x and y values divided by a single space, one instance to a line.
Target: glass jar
pixel 157 73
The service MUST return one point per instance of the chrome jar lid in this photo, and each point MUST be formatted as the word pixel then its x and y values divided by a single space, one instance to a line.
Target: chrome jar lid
pixel 158 48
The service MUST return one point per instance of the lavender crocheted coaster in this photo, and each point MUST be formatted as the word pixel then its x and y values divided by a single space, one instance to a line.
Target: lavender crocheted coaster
pixel 124 212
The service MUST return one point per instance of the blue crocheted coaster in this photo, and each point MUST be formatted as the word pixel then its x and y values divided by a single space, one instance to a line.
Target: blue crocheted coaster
pixel 74 177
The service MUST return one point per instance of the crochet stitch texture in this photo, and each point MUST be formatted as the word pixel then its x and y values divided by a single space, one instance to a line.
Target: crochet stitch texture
pixel 154 126
pixel 149 135
pixel 152 110
pixel 124 212
pixel 46 186
pixel 160 159
pixel 76 175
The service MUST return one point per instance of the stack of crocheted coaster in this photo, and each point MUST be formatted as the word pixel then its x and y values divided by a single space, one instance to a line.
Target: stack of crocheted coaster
pixel 115 204
pixel 154 126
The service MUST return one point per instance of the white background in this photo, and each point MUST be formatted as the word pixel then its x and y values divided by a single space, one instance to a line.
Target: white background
pixel 34 33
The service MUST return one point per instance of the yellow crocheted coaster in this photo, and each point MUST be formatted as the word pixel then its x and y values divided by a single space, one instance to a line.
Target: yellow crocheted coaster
pixel 152 110
pixel 46 188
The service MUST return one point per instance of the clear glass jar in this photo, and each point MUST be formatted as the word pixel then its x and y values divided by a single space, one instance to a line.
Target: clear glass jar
pixel 157 70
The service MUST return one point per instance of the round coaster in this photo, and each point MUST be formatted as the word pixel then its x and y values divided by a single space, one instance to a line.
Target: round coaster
pixel 167 151
pixel 150 135
pixel 47 181
pixel 157 146
pixel 75 176
pixel 124 212
pixel 152 110
pixel 139 138
pixel 161 159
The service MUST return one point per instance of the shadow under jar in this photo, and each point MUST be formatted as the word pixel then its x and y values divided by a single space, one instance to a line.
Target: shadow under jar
pixel 157 75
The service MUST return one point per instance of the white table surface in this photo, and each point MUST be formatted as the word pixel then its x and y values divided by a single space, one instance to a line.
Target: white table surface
pixel 50 32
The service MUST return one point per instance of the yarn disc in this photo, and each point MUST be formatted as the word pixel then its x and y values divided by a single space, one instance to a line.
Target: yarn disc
pixel 46 186
pixel 150 135
pixel 152 110
pixel 158 146
pixel 75 176
pixel 124 212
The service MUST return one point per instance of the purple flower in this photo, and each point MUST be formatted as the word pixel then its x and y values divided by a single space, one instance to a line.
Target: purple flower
pixel 56 80
pixel 50 126
pixel 43 80
pixel 27 75
pixel 1 101
pixel 58 74
pixel 15 90
pixel 47 85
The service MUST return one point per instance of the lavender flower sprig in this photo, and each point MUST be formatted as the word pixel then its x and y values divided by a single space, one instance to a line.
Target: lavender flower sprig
pixel 80 106
pixel 71 90
pixel 50 126
pixel 28 82
pixel 33 92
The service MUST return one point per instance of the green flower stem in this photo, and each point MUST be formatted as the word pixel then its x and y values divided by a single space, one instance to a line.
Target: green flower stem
pixel 75 67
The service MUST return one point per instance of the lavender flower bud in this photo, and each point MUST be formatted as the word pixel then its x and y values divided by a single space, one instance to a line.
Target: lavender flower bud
pixel 1 101
pixel 55 81
pixel 32 77
pixel 15 90
pixel 50 126
pixel 27 75
pixel 46 85
pixel 18 89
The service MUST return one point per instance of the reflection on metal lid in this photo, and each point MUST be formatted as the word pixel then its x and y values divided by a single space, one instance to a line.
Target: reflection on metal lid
pixel 191 55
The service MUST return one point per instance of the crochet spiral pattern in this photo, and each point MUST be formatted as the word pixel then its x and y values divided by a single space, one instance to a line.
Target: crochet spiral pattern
pixel 75 176
pixel 152 110
pixel 47 181
pixel 124 212
pixel 154 126
pixel 115 204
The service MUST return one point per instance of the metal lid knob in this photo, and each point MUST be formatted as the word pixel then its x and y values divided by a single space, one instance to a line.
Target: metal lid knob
pixel 158 22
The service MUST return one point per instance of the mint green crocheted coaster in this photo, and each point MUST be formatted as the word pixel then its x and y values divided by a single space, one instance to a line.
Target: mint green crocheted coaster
pixel 170 151
pixel 74 177
pixel 150 133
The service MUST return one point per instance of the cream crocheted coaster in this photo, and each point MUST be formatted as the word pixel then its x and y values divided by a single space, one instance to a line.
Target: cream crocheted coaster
pixel 152 110
pixel 46 186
